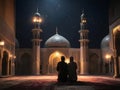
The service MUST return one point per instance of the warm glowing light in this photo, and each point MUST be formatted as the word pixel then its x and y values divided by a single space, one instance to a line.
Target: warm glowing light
pixel 67 60
pixel 84 21
pixel 107 56
pixel 34 19
pixel 57 53
pixel 117 28
pixel 37 20
pixel 11 55
pixel 14 57
pixel 2 43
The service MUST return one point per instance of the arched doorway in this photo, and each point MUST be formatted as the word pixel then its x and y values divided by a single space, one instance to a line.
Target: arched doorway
pixel 117 45
pixel 25 64
pixel 5 63
pixel 116 49
pixel 54 58
pixel 93 64
pixel 117 42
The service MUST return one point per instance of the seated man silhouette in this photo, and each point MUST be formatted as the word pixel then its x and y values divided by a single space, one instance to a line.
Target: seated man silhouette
pixel 62 70
pixel 72 67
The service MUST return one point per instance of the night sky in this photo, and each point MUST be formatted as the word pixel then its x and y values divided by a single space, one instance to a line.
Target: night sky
pixel 65 14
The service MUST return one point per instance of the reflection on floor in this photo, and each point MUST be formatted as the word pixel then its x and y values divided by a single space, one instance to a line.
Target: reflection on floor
pixel 50 83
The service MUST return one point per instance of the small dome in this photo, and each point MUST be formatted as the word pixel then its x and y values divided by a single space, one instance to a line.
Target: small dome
pixel 37 14
pixel 83 15
pixel 57 41
pixel 105 42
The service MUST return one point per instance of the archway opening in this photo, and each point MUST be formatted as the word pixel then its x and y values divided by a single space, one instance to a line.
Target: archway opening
pixel 116 44
pixel 54 58
pixel 25 64
pixel 93 64
pixel 5 63
pixel 116 35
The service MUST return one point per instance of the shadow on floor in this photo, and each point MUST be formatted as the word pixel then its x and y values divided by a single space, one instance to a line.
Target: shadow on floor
pixel 44 85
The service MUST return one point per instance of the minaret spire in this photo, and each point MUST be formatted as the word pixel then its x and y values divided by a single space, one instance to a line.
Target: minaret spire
pixel 56 30
pixel 83 23
pixel 37 19
pixel 37 10
pixel 83 10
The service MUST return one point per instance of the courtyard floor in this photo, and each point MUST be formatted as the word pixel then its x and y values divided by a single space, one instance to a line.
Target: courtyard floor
pixel 49 82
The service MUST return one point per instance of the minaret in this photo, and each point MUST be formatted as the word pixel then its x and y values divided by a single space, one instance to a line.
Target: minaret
pixel 36 43
pixel 83 45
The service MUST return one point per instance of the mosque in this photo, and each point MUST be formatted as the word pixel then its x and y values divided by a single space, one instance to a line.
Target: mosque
pixel 55 47
pixel 43 61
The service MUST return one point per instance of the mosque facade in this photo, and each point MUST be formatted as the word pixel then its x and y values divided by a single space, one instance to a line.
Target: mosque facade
pixel 43 61
pixel 51 54
pixel 38 60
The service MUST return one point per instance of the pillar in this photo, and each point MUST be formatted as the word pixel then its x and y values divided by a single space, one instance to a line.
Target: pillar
pixel 36 44
pixel 83 45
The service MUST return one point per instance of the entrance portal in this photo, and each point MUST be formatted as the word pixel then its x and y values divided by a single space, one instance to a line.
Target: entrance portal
pixel 93 64
pixel 54 58
pixel 117 45
pixel 25 65
pixel 117 42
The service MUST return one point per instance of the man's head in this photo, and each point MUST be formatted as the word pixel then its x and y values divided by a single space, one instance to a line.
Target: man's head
pixel 71 59
pixel 62 58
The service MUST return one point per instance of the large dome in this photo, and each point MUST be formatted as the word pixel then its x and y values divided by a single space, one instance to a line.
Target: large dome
pixel 105 42
pixel 57 41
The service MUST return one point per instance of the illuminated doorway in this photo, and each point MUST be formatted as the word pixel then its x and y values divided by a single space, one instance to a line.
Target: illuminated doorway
pixel 116 50
pixel 54 58
pixel 117 45
pixel 117 42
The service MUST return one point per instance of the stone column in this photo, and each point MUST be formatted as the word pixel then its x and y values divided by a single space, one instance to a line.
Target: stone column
pixel 83 57
pixel 36 57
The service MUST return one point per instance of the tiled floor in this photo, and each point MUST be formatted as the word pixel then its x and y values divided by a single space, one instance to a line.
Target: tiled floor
pixel 49 82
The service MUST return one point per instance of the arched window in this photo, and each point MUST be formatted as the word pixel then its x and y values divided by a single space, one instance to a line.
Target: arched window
pixel 93 64
pixel 25 64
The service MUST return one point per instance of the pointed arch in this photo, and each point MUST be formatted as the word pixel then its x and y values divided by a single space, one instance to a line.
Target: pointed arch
pixel 116 39
pixel 93 64
pixel 116 32
pixel 54 58
pixel 116 48
pixel 25 64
